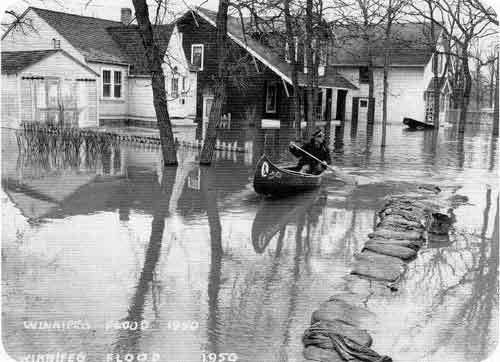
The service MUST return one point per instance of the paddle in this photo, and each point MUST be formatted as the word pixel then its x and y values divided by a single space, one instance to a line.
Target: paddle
pixel 342 175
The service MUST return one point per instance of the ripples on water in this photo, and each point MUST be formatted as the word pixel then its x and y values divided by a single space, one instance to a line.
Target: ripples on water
pixel 211 267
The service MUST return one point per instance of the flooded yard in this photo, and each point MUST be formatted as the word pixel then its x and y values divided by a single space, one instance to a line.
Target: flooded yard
pixel 114 258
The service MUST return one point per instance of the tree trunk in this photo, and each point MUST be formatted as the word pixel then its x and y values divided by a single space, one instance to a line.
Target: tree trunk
pixel 464 102
pixel 495 110
pixel 220 85
pixel 295 111
pixel 309 67
pixel 437 90
pixel 155 58
pixel 384 100
pixel 371 87
pixel 478 84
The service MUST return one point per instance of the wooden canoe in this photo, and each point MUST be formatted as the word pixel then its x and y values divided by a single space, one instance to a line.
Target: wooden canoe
pixel 414 124
pixel 272 180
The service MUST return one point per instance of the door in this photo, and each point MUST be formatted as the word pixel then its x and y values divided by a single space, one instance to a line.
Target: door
pixel 363 109
pixel 341 97
pixel 207 106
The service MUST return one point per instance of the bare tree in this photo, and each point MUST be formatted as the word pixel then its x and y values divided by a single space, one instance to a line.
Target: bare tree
pixel 393 11
pixel 220 91
pixel 472 24
pixel 155 60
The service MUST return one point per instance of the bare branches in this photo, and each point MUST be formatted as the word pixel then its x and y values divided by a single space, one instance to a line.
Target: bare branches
pixel 19 23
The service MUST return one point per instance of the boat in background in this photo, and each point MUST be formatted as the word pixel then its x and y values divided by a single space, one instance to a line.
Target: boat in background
pixel 271 180
pixel 416 125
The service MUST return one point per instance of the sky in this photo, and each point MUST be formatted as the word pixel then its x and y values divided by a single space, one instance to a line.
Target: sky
pixel 97 8
pixel 111 9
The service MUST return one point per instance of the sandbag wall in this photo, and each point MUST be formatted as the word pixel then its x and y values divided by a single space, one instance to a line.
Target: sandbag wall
pixel 338 328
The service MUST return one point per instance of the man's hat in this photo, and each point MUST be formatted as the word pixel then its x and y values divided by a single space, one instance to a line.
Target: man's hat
pixel 318 132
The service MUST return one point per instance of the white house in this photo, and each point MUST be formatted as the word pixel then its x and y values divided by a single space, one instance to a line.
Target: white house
pixel 410 77
pixel 48 86
pixel 113 51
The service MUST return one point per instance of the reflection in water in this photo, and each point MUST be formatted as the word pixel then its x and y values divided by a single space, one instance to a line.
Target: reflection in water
pixel 128 340
pixel 248 270
pixel 209 192
pixel 275 214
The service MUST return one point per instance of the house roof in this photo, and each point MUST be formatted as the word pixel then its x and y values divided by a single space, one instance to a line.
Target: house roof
pixel 409 43
pixel 102 40
pixel 131 46
pixel 14 62
pixel 269 57
pixel 89 35
pixel 430 86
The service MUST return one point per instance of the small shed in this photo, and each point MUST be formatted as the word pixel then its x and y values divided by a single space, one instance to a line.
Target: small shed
pixel 48 86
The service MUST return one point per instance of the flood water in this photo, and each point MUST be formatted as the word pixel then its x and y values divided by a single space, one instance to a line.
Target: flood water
pixel 204 265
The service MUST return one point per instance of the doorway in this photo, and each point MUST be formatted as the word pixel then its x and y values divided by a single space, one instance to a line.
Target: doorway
pixel 207 106
pixel 341 98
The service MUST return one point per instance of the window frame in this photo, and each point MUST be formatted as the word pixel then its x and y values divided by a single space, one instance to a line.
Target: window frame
pixel 268 109
pixel 174 80
pixel 363 80
pixel 112 83
pixel 202 46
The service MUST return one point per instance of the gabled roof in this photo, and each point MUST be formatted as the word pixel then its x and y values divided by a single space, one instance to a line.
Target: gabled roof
pixel 14 62
pixel 444 86
pixel 409 43
pixel 102 40
pixel 89 35
pixel 266 55
pixel 131 46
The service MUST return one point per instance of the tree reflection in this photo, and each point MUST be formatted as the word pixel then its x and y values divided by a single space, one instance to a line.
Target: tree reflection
pixel 128 339
pixel 209 195
pixel 468 271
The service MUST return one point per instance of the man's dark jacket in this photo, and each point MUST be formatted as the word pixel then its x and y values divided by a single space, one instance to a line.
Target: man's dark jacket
pixel 320 151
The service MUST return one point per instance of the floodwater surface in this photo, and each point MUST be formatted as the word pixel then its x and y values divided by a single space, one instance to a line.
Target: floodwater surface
pixel 112 256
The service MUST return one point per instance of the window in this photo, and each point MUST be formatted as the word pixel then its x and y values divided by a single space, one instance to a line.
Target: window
pixel 106 83
pixel 118 84
pixel 287 52
pixel 174 90
pixel 296 40
pixel 271 96
pixel 112 83
pixel 364 75
pixel 197 55
pixel 363 103
pixel 56 43
pixel 183 84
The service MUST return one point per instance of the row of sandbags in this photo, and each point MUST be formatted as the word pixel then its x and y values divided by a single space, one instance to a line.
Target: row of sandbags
pixel 338 327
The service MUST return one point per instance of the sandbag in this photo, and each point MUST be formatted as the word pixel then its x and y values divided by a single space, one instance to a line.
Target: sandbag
pixel 377 266
pixel 344 312
pixel 346 348
pixel 400 222
pixel 314 353
pixel 391 250
pixel 360 336
pixel 395 234
pixel 412 244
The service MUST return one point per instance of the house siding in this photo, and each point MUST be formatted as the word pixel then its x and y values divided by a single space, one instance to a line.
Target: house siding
pixel 405 94
pixel 112 109
pixel 245 103
pixel 19 92
pixel 10 101
pixel 41 39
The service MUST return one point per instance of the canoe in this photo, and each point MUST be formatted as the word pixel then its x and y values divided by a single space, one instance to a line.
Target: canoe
pixel 274 215
pixel 272 180
pixel 414 124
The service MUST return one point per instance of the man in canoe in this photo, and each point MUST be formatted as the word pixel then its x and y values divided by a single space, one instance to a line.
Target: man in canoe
pixel 316 147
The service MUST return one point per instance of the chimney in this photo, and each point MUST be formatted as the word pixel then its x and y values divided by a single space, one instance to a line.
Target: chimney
pixel 126 16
